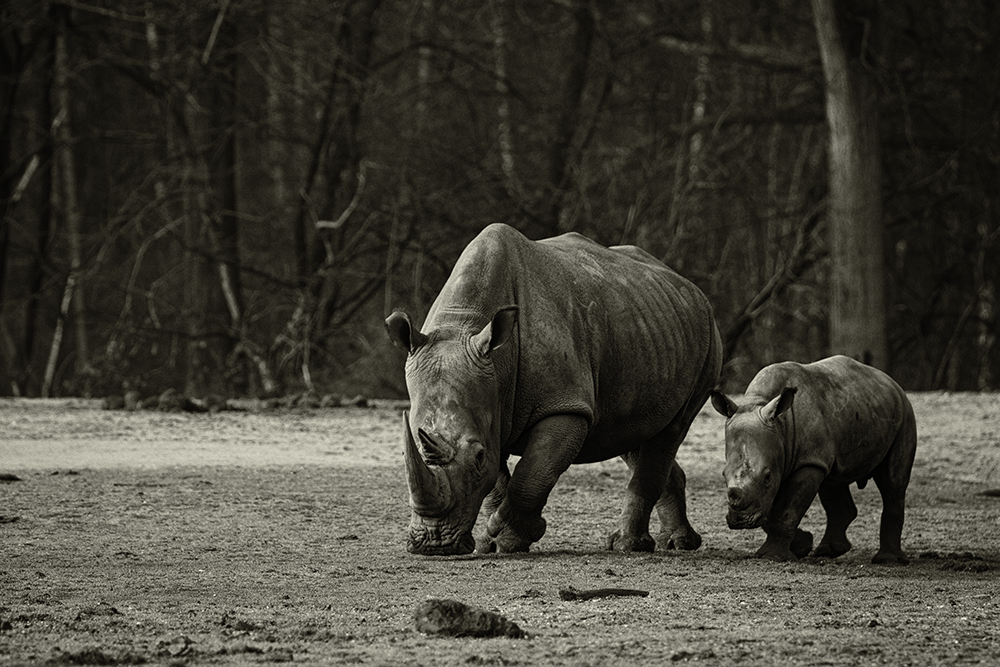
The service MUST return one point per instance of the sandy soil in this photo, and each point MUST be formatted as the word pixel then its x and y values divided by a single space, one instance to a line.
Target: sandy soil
pixel 278 536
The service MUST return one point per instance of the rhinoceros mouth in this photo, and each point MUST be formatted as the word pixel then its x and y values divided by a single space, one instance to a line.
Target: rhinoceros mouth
pixel 421 546
pixel 741 520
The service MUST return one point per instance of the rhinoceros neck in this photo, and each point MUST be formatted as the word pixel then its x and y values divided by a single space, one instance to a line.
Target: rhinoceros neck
pixel 483 281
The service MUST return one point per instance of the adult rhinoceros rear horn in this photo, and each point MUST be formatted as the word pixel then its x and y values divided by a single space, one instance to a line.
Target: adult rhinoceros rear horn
pixel 430 491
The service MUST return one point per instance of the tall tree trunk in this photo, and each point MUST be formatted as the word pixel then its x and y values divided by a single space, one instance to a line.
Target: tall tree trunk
pixel 10 48
pixel 505 133
pixel 213 299
pixel 570 111
pixel 857 278
pixel 73 293
pixel 222 166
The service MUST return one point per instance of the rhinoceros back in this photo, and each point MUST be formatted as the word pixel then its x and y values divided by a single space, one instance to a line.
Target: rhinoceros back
pixel 608 333
pixel 842 407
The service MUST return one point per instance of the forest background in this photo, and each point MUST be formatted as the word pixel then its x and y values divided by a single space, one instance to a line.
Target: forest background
pixel 228 197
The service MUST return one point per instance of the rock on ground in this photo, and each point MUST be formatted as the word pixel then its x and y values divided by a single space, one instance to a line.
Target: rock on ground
pixel 456 619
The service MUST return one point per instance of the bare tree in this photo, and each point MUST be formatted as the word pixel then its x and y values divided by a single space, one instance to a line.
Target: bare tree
pixel 70 210
pixel 857 278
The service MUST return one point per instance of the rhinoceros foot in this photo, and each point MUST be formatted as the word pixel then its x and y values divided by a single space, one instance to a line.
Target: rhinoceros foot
pixel 832 549
pixel 776 554
pixel 617 541
pixel 688 540
pixel 463 545
pixel 507 537
pixel 777 550
pixel 485 544
pixel 887 557
pixel 802 543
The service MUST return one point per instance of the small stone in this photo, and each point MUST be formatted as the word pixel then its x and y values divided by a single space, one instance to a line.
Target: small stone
pixel 133 401
pixel 359 401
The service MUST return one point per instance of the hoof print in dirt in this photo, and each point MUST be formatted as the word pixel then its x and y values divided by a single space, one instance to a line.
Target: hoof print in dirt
pixel 958 561
pixel 456 619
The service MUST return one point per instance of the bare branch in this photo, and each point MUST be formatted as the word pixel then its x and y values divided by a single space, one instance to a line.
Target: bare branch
pixel 215 32
pixel 338 223
pixel 803 256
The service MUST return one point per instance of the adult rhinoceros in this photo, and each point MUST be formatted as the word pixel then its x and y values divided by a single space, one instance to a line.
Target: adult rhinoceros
pixel 559 351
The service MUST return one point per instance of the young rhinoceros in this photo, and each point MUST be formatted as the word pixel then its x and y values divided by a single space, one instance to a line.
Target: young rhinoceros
pixel 558 351
pixel 811 428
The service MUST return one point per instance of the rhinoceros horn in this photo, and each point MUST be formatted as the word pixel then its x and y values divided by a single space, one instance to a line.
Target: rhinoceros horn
pixel 430 491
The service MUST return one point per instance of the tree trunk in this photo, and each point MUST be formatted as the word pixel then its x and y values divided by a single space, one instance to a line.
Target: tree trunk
pixel 213 298
pixel 857 277
pixel 222 166
pixel 67 188
pixel 560 169
pixel 505 133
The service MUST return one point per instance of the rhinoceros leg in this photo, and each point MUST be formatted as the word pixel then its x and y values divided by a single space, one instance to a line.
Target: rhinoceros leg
pixel 671 507
pixel 840 512
pixel 784 539
pixel 892 477
pixel 484 544
pixel 675 532
pixel 657 481
pixel 551 446
pixel 650 471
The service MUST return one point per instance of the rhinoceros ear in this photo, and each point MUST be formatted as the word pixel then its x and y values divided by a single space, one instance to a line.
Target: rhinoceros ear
pixel 777 406
pixel 401 332
pixel 723 404
pixel 497 332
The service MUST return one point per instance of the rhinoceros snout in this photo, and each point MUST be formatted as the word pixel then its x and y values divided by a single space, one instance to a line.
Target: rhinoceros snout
pixel 743 520
pixel 738 499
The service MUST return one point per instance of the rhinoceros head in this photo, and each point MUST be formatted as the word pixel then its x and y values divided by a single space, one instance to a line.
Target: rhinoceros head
pixel 452 431
pixel 755 455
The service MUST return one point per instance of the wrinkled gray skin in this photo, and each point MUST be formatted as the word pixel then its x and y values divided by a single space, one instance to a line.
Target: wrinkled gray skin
pixel 817 428
pixel 559 351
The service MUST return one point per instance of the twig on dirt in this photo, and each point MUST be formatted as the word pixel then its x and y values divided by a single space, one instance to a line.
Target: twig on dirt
pixel 570 593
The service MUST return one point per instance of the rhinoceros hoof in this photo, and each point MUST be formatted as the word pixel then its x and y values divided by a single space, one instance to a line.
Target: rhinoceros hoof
pixel 890 558
pixel 687 540
pixel 507 539
pixel 779 555
pixel 802 543
pixel 485 545
pixel 832 549
pixel 618 542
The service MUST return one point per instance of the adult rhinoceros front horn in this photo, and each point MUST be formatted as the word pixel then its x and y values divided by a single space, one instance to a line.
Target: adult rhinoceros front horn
pixel 430 490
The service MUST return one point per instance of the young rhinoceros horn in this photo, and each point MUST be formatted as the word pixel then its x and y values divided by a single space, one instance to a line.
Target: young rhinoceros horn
pixel 430 490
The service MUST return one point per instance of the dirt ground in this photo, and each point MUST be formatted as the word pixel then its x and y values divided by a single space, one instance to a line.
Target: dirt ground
pixel 278 536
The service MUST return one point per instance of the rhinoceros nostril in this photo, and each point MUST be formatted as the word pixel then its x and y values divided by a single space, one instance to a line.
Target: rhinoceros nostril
pixel 735 496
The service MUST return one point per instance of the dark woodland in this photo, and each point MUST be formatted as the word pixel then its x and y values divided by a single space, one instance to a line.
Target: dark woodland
pixel 228 197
